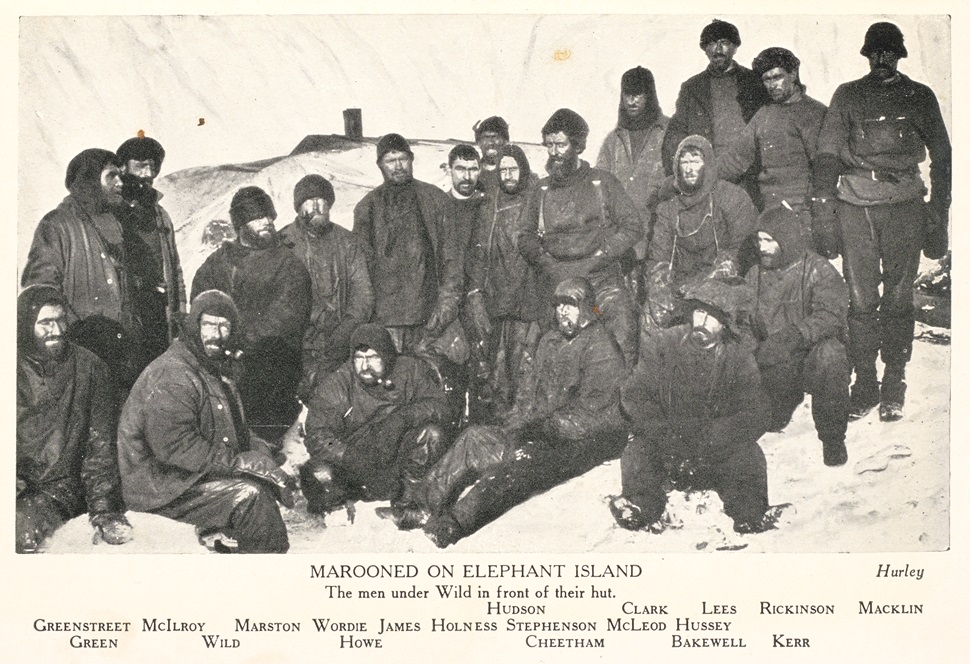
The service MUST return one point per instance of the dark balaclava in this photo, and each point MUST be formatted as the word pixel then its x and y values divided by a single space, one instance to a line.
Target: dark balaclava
pixel 214 303
pixel 375 337
pixel 83 179
pixel 525 171
pixel 783 226
pixel 29 303
pixel 884 37
pixel 639 81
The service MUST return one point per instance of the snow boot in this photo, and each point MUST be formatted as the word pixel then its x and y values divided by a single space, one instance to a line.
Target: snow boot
pixel 834 452
pixel 864 397
pixel 892 394
pixel 627 514
pixel 768 521
pixel 405 517
pixel 443 530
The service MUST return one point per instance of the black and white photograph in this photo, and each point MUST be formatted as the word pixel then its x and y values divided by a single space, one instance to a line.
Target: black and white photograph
pixel 484 286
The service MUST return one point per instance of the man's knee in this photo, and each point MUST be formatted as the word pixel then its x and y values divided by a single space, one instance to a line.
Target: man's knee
pixel 827 365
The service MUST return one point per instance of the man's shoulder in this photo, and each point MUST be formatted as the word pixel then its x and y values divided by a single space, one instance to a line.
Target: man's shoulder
pixel 728 191
pixel 697 82
pixel 428 191
pixel 65 213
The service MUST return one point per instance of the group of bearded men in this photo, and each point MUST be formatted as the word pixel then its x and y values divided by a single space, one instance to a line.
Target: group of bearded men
pixel 460 352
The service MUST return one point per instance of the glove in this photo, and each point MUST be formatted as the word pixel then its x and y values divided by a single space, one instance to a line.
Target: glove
pixel 443 315
pixel 779 348
pixel 935 234
pixel 259 466
pixel 826 235
pixel 112 527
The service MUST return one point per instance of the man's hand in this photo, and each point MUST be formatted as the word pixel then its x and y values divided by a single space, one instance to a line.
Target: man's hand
pixel 826 235
pixel 261 467
pixel 936 239
pixel 112 527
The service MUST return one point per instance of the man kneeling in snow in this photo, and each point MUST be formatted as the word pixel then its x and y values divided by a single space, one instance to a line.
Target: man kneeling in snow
pixel 800 320
pixel 698 410
pixel 66 456
pixel 565 421
pixel 184 447
pixel 372 429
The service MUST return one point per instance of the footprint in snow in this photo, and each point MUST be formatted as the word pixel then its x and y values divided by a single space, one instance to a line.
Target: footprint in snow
pixel 879 461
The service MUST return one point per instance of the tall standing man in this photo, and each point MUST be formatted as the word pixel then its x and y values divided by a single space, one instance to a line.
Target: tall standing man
pixel 490 135
pixel 718 102
pixel 578 222
pixel 342 295
pixel 869 198
pixel 158 289
pixel 412 250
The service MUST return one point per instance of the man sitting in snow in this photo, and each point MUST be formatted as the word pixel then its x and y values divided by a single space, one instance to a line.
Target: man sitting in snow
pixel 185 450
pixel 698 410
pixel 373 426
pixel 802 304
pixel 66 456
pixel 565 421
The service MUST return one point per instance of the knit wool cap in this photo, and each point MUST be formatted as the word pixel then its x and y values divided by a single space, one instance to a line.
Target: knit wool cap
pixel 142 149
pixel 784 228
pixel 717 30
pixel 884 37
pixel 392 143
pixel 568 122
pixel 312 186
pixel 494 123
pixel 88 164
pixel 773 57
pixel 214 303
pixel 248 204
pixel 638 81
pixel 375 337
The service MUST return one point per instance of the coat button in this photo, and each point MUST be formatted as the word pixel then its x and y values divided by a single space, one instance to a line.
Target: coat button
pixel 225 439
pixel 110 281
pixel 219 406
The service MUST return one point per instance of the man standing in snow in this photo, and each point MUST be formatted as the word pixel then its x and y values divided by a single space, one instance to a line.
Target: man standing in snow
pixel 273 291
pixel 78 248
pixel 342 294
pixel 718 102
pixel 490 135
pixel 801 304
pixel 67 461
pixel 781 137
pixel 503 302
pixel 158 290
pixel 372 430
pixel 698 410
pixel 565 421
pixel 632 151
pixel 412 250
pixel 184 448
pixel 579 222
pixel 869 206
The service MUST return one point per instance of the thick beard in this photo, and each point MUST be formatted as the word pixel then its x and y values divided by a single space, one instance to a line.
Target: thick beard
pixel 255 240
pixel 137 190
pixel 561 170
pixel 46 353
pixel 511 191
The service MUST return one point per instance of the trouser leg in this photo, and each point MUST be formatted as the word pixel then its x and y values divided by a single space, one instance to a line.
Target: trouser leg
pixel 741 480
pixel 862 272
pixel 827 380
pixel 899 228
pixel 642 476
pixel 418 454
pixel 242 509
pixel 782 384
pixel 477 449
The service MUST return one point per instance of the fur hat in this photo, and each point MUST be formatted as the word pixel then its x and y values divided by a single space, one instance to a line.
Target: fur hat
pixel 375 337
pixel 392 143
pixel 884 37
pixel 250 203
pixel 717 30
pixel 312 186
pixel 142 148
pixel 638 81
pixel 494 123
pixel 570 123
pixel 87 166
pixel 773 57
